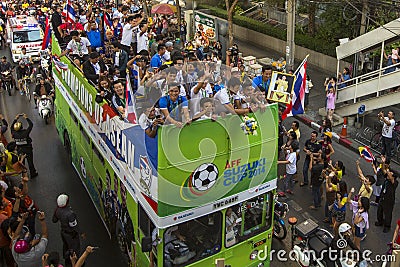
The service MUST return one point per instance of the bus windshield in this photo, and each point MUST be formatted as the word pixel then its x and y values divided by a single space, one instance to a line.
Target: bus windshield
pixel 246 219
pixel 26 36
pixel 193 240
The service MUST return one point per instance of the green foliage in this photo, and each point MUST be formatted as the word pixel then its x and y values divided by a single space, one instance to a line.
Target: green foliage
pixel 301 39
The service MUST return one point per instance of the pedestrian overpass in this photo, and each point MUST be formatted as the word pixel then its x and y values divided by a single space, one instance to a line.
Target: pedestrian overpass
pixel 377 88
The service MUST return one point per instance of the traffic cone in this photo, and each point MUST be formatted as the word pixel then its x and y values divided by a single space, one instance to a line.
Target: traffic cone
pixel 343 134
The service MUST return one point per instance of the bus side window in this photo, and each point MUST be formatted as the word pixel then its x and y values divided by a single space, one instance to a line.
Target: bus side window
pixel 84 134
pixel 145 224
pixel 73 117
pixel 97 152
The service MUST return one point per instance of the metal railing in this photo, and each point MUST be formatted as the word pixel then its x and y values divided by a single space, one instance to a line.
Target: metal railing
pixel 356 81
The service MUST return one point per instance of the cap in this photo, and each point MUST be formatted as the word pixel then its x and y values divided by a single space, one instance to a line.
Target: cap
pixel 169 44
pixel 62 200
pixel 329 134
pixel 94 55
pixel 235 69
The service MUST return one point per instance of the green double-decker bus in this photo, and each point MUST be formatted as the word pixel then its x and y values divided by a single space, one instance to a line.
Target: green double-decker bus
pixel 189 196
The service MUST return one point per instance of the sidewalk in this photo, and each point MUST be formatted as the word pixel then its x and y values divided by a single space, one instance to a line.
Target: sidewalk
pixel 316 98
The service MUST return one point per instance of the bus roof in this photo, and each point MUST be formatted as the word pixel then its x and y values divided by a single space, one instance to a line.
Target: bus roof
pixel 23 23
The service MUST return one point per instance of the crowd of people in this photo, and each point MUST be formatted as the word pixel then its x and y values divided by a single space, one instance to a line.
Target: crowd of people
pixel 330 177
pixel 20 243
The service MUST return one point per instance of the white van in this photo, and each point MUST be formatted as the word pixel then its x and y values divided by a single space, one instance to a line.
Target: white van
pixel 24 31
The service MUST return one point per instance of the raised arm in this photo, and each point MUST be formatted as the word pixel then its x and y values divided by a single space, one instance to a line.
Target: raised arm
pixel 85 254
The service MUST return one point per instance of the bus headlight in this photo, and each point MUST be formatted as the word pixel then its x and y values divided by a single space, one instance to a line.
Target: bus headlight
pixel 253 254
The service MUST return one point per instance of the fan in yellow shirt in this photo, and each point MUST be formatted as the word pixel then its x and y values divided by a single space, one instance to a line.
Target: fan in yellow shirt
pixel 367 182
pixel 25 5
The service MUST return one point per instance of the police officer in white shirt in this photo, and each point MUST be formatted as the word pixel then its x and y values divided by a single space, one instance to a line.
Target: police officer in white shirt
pixel 387 133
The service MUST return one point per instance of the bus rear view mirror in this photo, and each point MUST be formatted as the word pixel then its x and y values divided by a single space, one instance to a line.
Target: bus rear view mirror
pixel 146 244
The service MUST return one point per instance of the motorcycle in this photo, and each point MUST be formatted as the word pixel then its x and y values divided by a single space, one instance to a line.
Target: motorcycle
pixel 280 211
pixel 45 107
pixel 310 244
pixel 6 77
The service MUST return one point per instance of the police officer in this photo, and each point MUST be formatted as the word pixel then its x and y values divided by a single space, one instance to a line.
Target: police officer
pixel 70 233
pixel 23 141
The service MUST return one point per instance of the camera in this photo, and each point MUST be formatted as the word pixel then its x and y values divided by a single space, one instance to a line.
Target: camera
pixel 234 51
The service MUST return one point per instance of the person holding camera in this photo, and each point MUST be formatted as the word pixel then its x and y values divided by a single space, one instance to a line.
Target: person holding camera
pixel 387 133
pixel 24 141
pixel 70 232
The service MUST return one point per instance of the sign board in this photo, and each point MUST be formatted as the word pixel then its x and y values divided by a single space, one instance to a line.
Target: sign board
pixel 206 25
pixel 361 110
pixel 281 87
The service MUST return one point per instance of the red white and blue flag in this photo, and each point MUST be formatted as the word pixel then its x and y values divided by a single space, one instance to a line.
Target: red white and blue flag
pixel 365 152
pixel 297 105
pixel 107 23
pixel 130 109
pixel 47 35
pixel 3 8
pixel 59 64
pixel 69 12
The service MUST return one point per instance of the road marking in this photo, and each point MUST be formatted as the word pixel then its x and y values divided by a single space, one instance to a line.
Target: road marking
pixel 294 205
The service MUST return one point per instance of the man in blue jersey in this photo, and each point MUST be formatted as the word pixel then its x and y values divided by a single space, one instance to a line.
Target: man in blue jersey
pixel 262 81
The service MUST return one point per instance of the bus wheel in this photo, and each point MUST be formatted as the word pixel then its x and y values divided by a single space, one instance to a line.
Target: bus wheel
pixel 67 146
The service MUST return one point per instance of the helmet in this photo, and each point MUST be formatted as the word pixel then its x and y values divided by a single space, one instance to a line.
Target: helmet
pixel 21 246
pixel 343 228
pixel 17 126
pixel 62 200
pixel 329 134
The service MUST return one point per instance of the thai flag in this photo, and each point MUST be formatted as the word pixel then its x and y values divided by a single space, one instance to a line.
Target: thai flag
pixel 47 35
pixel 297 105
pixel 69 12
pixel 3 8
pixel 107 23
pixel 59 64
pixel 130 109
pixel 366 153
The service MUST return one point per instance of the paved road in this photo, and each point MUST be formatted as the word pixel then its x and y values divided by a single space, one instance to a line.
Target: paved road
pixel 301 200
pixel 56 175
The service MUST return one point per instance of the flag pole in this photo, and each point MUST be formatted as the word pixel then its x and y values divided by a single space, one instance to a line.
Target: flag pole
pixel 298 68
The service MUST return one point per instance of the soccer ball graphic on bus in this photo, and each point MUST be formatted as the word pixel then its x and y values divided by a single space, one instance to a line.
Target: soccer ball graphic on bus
pixel 204 176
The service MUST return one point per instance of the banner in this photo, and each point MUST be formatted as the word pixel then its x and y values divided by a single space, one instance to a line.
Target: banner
pixel 206 25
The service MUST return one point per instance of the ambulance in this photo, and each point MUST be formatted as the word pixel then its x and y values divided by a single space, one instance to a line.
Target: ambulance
pixel 24 31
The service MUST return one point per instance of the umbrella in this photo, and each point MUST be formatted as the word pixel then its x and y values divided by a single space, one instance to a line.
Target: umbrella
pixel 163 9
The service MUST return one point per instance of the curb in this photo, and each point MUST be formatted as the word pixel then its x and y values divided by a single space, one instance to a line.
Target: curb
pixel 344 141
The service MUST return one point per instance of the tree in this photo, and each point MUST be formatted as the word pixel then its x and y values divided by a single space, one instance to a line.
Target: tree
pixel 230 8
